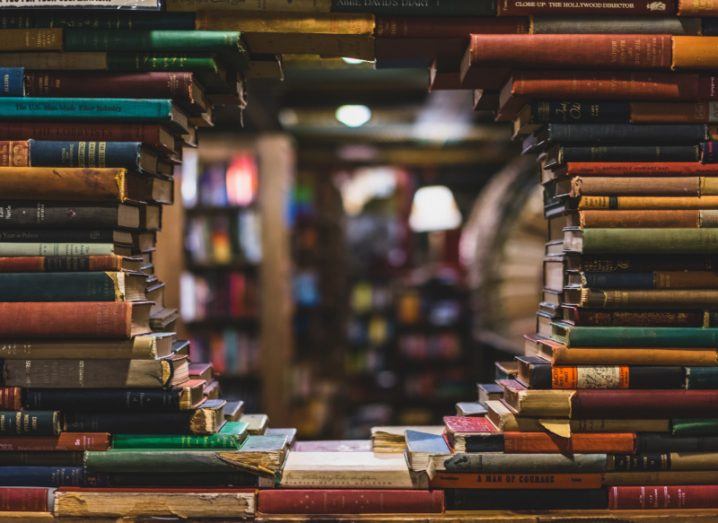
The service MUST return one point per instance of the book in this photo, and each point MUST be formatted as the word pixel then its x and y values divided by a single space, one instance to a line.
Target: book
pixel 617 24
pixel 461 432
pixel 422 447
pixel 301 6
pixel 639 241
pixel 120 20
pixel 256 423
pixel 349 501
pixel 44 476
pixel 669 461
pixel 12 81
pixel 185 397
pixel 154 502
pixel 41 458
pixel 85 4
pixel 470 408
pixel 502 480
pixel 93 109
pixel 30 423
pixel 230 436
pixel 328 470
pixel 542 442
pixel 16 214
pixel 530 499
pixel 71 286
pixel 26 499
pixel 557 156
pixel 401 27
pixel 64 442
pixel 141 346
pixel 158 136
pixel 603 7
pixel 597 134
pixel 659 497
pixel 120 320
pixel 687 337
pixel 94 374
pixel 429 8
pixel 540 463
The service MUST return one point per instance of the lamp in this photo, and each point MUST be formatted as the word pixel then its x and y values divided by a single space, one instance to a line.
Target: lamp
pixel 434 209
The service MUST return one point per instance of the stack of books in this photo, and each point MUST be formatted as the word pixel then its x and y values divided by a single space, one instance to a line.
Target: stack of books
pixel 99 399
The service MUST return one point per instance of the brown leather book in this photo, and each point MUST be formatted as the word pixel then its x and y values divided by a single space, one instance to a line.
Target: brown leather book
pixel 598 7
pixel 680 112
pixel 450 27
pixel 648 202
pixel 543 442
pixel 633 52
pixel 694 52
pixel 639 186
pixel 637 169
pixel 688 218
pixel 697 8
pixel 31 40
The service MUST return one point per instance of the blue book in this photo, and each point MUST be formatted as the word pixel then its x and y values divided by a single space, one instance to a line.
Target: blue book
pixel 13 81
pixel 87 154
pixel 426 442
pixel 92 109
pixel 39 476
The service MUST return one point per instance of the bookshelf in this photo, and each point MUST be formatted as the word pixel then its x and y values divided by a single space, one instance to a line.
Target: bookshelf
pixel 234 249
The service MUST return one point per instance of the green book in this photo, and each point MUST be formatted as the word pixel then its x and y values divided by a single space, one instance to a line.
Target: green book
pixel 230 436
pixel 151 40
pixel 161 62
pixel 694 427
pixel 639 241
pixel 678 337
pixel 701 377
pixel 99 109
pixel 151 460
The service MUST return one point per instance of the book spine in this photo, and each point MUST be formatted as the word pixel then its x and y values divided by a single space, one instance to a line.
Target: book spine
pixel 699 8
pixel 618 153
pixel 30 423
pixel 25 499
pixel 649 203
pixel 677 113
pixel 194 480
pixel 71 320
pixel 417 27
pixel 580 112
pixel 663 497
pixel 60 263
pixel 59 236
pixel 14 154
pixel 12 81
pixel 650 240
pixel 349 501
pixel 65 442
pixel 650 280
pixel 615 25
pixel 51 215
pixel 650 403
pixel 82 39
pixel 31 40
pixel 620 377
pixel 693 53
pixel 694 427
pixel 565 7
pixel 639 462
pixel 98 109
pixel 68 286
pixel 627 134
pixel 130 423
pixel 597 318
pixel 43 476
pixel 633 52
pixel 63 184
pixel 688 218
pixel 665 443
pixel 701 378
pixel 66 131
pixel 92 20
pixel 443 480
pixel 88 4
pixel 156 441
pixel 475 499
pixel 27 249
pixel 632 356
pixel 138 62
pixel 685 337
pixel 116 400
pixel 126 460
pixel 427 8
pixel 173 85
pixel 41 458
pixel 85 154
pixel 525 463
pixel 640 169
pixel 537 442
pixel 11 398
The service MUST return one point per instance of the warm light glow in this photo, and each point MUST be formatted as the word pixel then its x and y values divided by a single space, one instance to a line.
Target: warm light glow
pixel 434 209
pixel 353 115
pixel 352 61
pixel 242 180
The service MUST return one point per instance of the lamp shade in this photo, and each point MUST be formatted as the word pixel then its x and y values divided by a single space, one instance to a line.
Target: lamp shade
pixel 434 209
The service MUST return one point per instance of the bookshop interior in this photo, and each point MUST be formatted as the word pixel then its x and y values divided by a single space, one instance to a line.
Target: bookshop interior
pixel 359 260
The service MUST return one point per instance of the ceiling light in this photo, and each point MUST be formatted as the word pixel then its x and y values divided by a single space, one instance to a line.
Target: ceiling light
pixel 352 61
pixel 434 209
pixel 353 115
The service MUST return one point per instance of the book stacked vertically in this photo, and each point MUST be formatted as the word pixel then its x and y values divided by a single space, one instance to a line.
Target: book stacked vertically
pixel 98 396
pixel 613 403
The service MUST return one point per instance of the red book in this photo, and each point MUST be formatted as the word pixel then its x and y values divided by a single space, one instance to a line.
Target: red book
pixel 627 403
pixel 565 51
pixel 663 497
pixel 469 425
pixel 70 319
pixel 26 499
pixel 598 85
pixel 595 7
pixel 68 441
pixel 10 398
pixel 350 501
pixel 152 135
pixel 437 27
pixel 588 443
pixel 64 263
pixel 640 169
pixel 179 86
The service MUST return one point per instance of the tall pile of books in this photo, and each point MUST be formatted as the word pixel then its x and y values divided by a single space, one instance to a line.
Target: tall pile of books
pixel 98 396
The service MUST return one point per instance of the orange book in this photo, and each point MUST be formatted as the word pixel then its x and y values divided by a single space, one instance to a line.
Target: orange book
pixel 543 442
pixel 522 481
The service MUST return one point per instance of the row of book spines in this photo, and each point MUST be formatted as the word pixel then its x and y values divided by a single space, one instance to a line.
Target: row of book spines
pixel 618 113
pixel 547 376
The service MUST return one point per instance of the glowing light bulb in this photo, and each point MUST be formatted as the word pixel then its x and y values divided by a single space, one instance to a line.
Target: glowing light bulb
pixel 353 115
